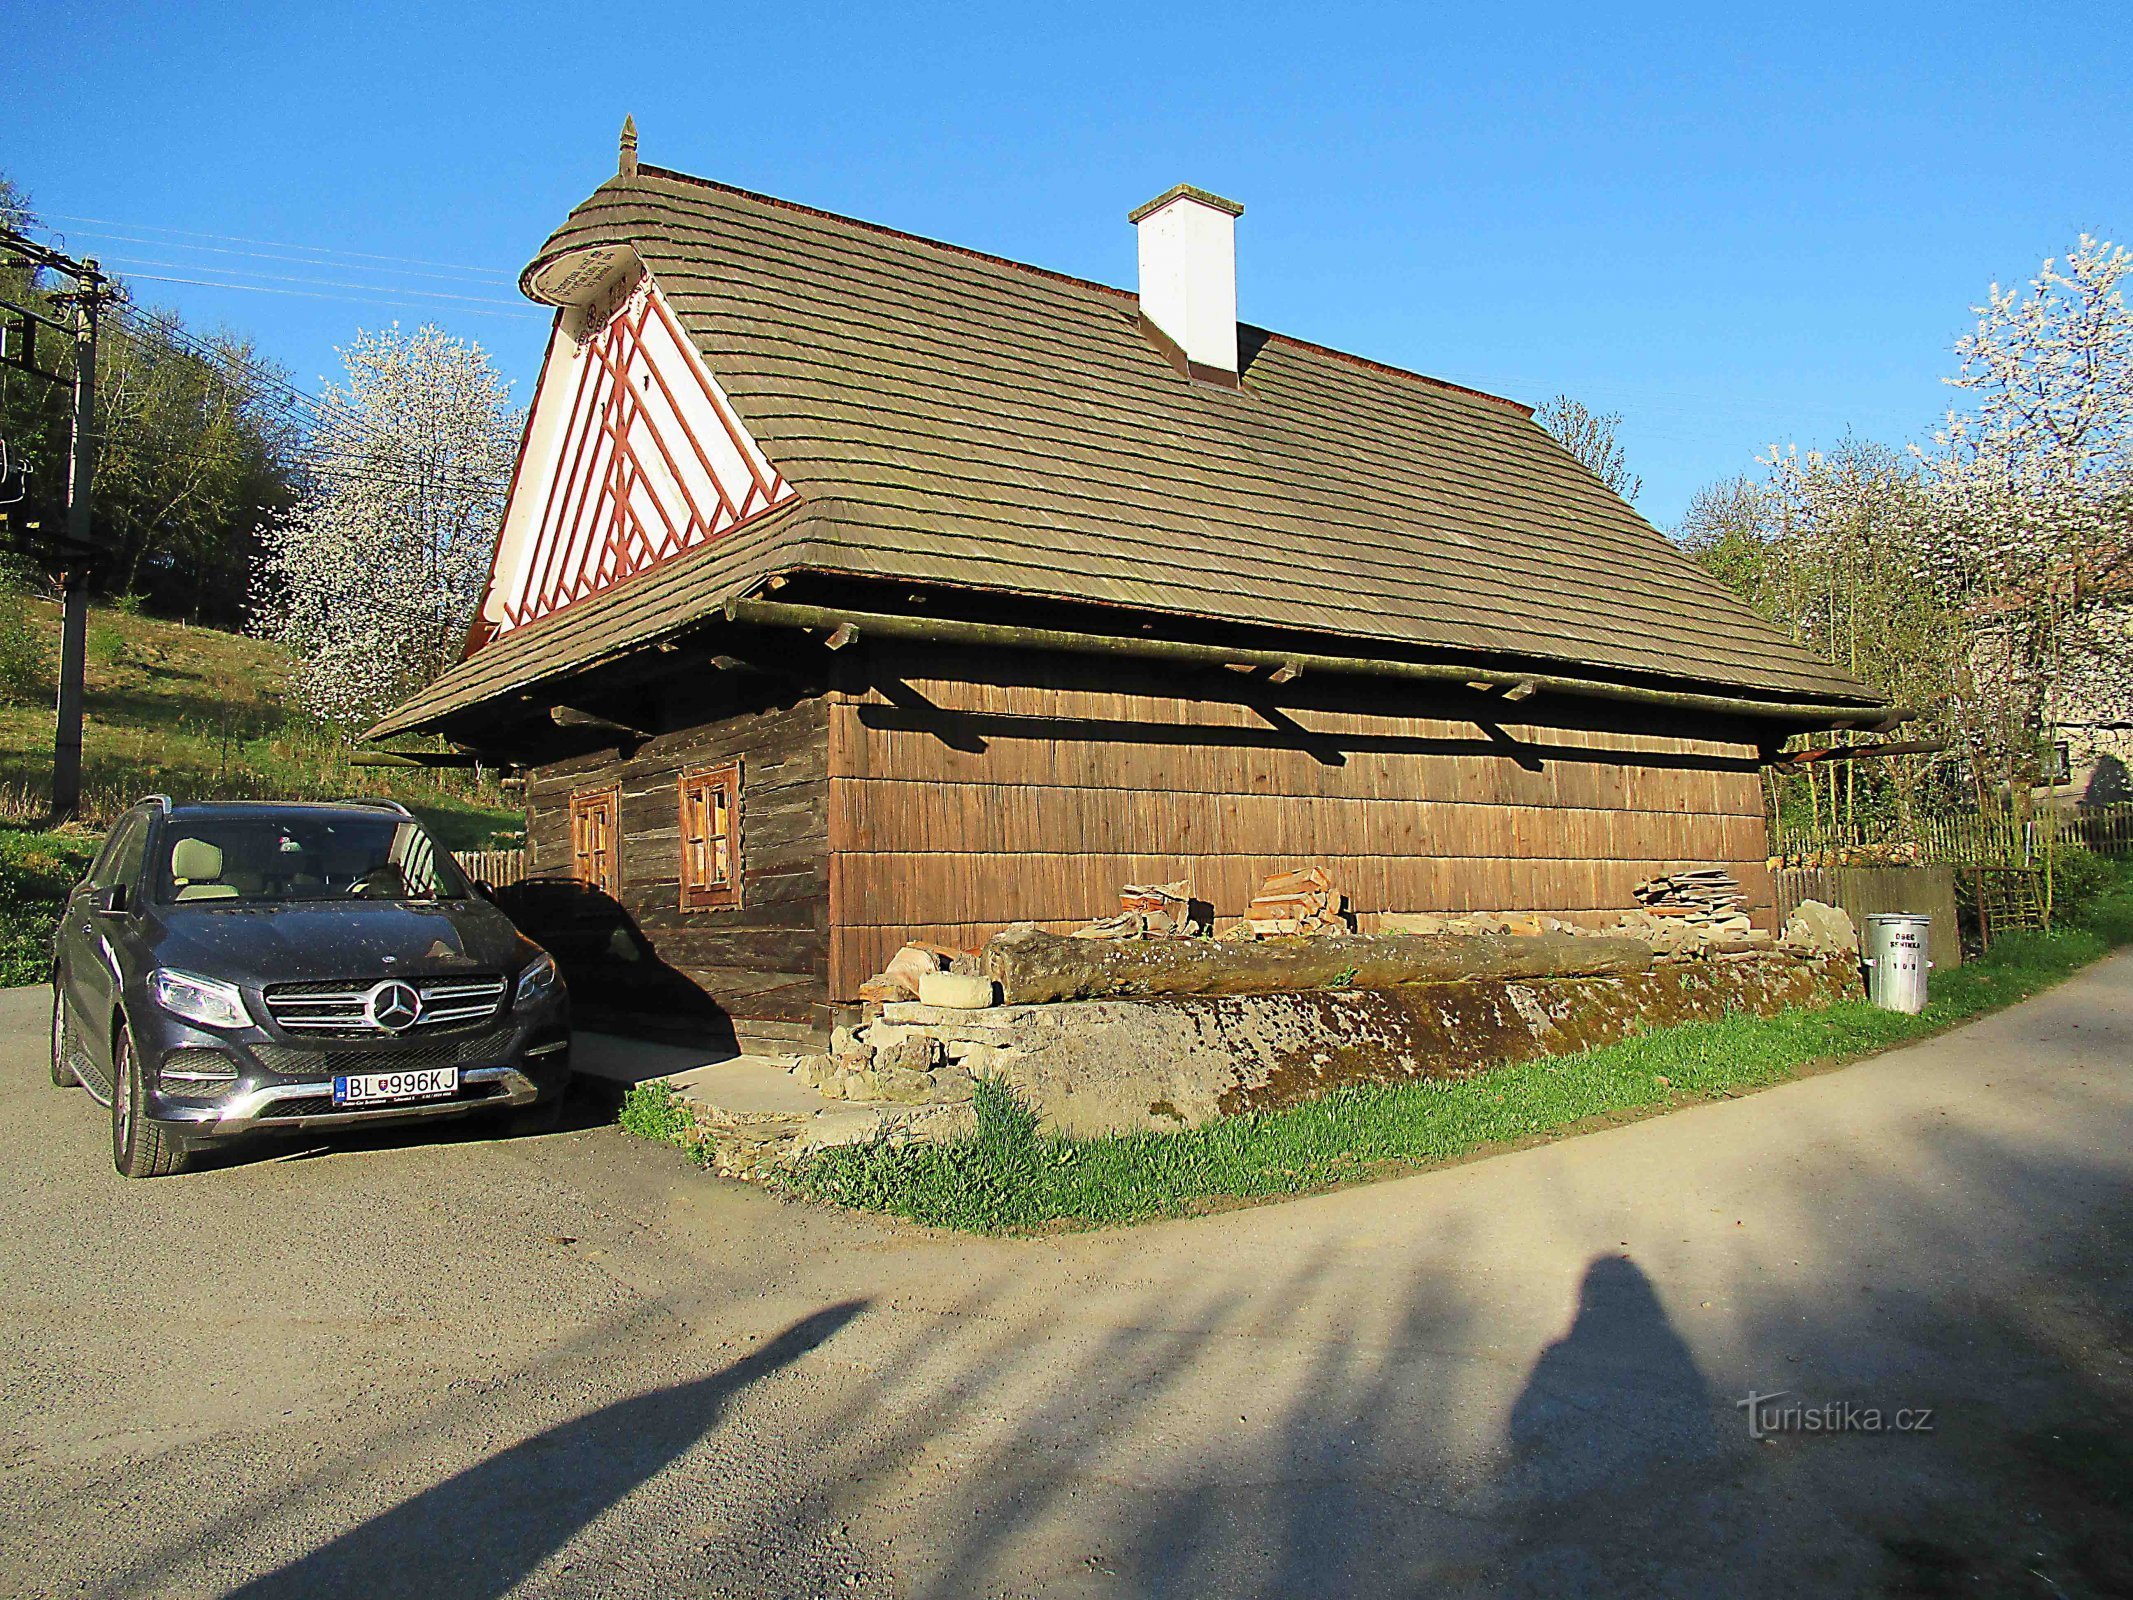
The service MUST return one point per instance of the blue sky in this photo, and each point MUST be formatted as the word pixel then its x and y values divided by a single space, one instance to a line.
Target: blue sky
pixel 1732 233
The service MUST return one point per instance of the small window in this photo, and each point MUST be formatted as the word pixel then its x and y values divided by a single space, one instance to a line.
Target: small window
pixel 595 851
pixel 711 837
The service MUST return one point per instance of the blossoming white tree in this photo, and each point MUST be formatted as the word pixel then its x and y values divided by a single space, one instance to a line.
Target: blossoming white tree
pixel 1591 437
pixel 1829 545
pixel 2031 496
pixel 372 580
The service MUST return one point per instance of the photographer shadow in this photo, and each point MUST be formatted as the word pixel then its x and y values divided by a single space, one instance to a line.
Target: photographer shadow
pixel 1613 1437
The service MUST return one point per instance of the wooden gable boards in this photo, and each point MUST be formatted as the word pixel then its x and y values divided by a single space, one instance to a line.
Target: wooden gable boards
pixel 633 456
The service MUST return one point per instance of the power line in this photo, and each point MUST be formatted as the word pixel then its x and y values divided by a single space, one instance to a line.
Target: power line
pixel 329 283
pixel 312 294
pixel 276 244
pixel 491 278
pixel 325 419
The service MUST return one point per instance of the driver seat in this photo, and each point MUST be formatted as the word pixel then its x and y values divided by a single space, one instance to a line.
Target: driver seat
pixel 195 867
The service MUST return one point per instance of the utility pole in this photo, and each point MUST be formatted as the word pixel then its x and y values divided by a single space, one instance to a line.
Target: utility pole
pixel 74 580
pixel 76 549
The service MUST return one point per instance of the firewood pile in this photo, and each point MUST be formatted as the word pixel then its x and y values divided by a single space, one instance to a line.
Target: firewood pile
pixel 1708 897
pixel 1300 902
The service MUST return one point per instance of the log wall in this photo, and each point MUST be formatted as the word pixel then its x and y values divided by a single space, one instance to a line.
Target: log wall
pixel 967 793
pixel 753 971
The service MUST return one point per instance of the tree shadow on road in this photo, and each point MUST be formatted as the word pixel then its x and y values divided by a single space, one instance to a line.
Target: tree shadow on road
pixel 481 1532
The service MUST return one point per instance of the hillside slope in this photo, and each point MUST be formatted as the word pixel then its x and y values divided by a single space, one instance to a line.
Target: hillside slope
pixel 200 714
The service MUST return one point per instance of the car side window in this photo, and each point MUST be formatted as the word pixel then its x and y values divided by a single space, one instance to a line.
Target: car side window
pixel 127 859
pixel 105 869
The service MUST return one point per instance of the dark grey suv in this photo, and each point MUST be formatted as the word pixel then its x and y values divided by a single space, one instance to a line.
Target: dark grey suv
pixel 229 969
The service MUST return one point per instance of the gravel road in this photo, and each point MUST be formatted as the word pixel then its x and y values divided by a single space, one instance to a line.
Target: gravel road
pixel 572 1365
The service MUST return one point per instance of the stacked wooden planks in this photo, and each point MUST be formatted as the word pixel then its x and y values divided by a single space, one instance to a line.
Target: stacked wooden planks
pixel 1707 897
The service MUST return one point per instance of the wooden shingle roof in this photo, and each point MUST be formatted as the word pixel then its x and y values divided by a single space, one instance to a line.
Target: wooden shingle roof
pixel 949 418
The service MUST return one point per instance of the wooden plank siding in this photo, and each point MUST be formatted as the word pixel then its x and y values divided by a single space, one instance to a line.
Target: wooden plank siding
pixel 759 968
pixel 966 793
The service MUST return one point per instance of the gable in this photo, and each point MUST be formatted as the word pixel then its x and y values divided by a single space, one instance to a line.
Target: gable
pixel 634 456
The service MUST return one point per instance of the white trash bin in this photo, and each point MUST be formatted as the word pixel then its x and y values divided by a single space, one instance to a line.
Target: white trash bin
pixel 1896 960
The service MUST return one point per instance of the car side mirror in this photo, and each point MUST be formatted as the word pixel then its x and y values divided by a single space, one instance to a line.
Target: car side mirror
pixel 111 900
pixel 481 888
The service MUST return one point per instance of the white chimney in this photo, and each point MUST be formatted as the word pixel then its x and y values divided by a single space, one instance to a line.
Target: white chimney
pixel 1188 249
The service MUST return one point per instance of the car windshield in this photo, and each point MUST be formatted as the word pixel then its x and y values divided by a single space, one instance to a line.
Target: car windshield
pixel 252 859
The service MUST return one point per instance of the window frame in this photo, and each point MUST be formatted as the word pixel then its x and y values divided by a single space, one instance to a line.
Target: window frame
pixel 580 800
pixel 704 895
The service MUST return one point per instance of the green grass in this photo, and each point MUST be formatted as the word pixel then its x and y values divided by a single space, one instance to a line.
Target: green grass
pixel 653 1111
pixel 1009 1178
pixel 36 871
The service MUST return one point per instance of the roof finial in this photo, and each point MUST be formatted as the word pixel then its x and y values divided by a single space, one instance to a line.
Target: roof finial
pixel 627 167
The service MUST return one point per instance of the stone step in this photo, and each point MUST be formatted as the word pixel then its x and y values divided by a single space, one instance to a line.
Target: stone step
pixel 751 1110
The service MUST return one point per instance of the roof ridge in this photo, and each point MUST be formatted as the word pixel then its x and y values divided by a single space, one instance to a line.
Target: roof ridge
pixel 1127 295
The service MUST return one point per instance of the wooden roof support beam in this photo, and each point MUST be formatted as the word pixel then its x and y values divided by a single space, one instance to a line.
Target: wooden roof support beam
pixel 591 721
pixel 414 758
pixel 1858 752
pixel 948 630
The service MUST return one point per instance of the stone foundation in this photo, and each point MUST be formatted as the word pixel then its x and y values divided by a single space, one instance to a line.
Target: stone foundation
pixel 1169 1061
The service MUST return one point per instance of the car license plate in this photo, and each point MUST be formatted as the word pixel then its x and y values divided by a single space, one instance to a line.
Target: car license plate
pixel 372 1088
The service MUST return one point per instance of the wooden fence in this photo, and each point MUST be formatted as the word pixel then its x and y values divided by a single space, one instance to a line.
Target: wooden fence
pixel 493 867
pixel 1862 891
pixel 1956 841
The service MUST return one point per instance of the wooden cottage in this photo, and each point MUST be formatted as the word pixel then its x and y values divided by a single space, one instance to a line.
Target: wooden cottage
pixel 857 588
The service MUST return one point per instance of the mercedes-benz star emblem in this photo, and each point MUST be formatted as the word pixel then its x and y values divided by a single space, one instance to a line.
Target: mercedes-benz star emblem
pixel 394 1006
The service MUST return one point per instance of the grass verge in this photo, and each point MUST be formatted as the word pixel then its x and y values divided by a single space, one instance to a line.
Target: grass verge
pixel 654 1111
pixel 1010 1178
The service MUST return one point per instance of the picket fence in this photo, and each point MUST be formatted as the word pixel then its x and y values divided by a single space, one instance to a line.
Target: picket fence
pixel 1956 841
pixel 493 867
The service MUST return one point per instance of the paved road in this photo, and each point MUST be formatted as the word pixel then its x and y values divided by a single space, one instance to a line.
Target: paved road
pixel 572 1365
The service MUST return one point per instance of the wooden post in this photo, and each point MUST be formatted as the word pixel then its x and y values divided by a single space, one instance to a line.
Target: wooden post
pixel 74 582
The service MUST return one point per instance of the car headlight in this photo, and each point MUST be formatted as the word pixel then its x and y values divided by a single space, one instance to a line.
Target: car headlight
pixel 536 981
pixel 210 1003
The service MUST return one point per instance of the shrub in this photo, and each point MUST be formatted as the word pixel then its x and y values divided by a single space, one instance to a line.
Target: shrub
pixel 108 645
pixel 25 659
pixel 654 1111
pixel 36 871
pixel 2078 877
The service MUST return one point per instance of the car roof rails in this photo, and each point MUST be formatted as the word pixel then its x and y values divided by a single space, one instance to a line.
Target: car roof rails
pixel 376 804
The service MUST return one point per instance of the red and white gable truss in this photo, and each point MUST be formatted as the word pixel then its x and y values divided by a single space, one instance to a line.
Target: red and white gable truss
pixel 633 456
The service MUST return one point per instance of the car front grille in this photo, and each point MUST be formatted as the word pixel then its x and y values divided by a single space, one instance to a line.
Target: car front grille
pixel 342 1006
pixel 296 1061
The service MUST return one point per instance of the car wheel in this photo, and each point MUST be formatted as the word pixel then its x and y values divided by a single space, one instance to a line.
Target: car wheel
pixel 63 1073
pixel 139 1148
